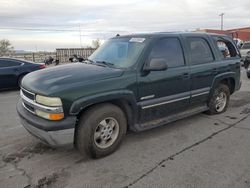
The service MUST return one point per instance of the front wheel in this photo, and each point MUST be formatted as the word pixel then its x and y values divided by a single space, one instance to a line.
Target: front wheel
pixel 101 130
pixel 219 99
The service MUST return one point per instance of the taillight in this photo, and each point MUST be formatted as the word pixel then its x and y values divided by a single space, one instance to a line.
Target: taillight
pixel 42 66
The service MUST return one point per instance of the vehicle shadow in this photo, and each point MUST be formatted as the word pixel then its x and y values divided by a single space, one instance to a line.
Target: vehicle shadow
pixel 7 91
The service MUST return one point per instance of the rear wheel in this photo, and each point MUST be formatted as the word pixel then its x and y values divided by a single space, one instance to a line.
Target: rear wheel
pixel 101 130
pixel 219 99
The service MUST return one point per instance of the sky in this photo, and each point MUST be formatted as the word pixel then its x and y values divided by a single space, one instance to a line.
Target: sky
pixel 44 25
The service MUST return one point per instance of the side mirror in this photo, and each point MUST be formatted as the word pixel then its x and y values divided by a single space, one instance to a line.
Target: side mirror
pixel 156 64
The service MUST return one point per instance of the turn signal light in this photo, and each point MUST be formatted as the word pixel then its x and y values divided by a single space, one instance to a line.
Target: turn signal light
pixel 49 116
pixel 56 116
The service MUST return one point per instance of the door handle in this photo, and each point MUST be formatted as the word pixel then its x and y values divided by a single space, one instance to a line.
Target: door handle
pixel 184 76
pixel 215 71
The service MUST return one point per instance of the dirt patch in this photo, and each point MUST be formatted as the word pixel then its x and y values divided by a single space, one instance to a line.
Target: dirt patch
pixel 40 148
pixel 28 152
pixel 57 179
pixel 14 157
pixel 47 180
pixel 245 111
pixel 231 117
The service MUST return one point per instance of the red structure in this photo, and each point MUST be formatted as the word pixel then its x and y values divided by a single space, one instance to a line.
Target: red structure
pixel 241 33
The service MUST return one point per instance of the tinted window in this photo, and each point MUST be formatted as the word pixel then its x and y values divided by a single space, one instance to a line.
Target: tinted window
pixel 121 52
pixel 200 51
pixel 9 63
pixel 169 49
pixel 226 48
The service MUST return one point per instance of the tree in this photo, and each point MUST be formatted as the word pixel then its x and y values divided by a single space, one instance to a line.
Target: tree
pixel 5 47
pixel 96 43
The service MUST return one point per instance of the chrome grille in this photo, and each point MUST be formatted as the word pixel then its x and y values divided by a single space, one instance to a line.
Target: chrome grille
pixel 31 105
pixel 29 108
pixel 28 94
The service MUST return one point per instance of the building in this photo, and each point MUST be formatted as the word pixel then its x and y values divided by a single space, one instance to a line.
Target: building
pixel 240 33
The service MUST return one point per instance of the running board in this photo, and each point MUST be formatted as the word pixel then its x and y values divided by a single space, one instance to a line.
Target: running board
pixel 171 118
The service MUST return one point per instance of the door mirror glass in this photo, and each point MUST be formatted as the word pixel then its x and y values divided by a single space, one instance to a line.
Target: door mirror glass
pixel 156 64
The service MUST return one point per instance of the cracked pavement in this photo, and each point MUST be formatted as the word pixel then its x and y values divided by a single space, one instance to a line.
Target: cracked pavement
pixel 198 151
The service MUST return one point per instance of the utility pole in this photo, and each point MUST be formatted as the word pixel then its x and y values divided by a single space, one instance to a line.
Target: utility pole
pixel 221 20
pixel 80 33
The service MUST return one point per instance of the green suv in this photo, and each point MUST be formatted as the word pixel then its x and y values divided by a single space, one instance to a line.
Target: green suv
pixel 133 82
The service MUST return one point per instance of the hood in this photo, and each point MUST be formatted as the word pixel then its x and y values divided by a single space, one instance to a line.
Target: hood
pixel 50 80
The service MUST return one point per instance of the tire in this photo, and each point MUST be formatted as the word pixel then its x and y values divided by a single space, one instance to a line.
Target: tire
pixel 248 75
pixel 221 91
pixel 90 133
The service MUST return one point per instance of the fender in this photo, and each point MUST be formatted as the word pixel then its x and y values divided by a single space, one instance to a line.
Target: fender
pixel 222 76
pixel 84 102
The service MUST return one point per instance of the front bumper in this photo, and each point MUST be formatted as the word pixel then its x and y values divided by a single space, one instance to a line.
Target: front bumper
pixel 54 133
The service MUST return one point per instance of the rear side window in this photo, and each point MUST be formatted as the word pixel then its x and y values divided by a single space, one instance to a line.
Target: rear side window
pixel 169 49
pixel 8 63
pixel 200 51
pixel 226 48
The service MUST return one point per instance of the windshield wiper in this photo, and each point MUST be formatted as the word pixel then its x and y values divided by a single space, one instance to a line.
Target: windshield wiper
pixel 106 63
pixel 88 60
pixel 100 63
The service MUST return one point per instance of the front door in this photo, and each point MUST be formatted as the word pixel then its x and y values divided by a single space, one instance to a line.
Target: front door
pixel 162 93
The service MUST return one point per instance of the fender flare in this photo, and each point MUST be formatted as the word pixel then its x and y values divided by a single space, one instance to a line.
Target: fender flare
pixel 85 102
pixel 223 76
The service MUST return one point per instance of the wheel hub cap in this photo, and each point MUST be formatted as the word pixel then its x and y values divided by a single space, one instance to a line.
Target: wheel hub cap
pixel 106 132
pixel 221 102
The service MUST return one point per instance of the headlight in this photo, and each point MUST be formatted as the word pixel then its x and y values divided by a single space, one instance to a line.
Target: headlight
pixel 48 101
pixel 49 116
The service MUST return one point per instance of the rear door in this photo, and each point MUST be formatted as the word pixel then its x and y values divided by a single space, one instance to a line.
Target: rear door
pixel 163 93
pixel 229 57
pixel 9 73
pixel 202 65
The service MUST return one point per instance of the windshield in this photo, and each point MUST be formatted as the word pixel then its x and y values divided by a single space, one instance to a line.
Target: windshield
pixel 119 52
pixel 246 45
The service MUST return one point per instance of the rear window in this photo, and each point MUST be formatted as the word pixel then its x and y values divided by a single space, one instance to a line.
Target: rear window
pixel 200 51
pixel 226 48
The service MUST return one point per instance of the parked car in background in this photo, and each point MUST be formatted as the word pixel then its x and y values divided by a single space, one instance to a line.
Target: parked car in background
pixel 247 63
pixel 76 58
pixel 244 49
pixel 13 70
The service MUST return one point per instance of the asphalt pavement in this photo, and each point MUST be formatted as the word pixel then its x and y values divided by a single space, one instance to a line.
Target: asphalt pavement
pixel 199 151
